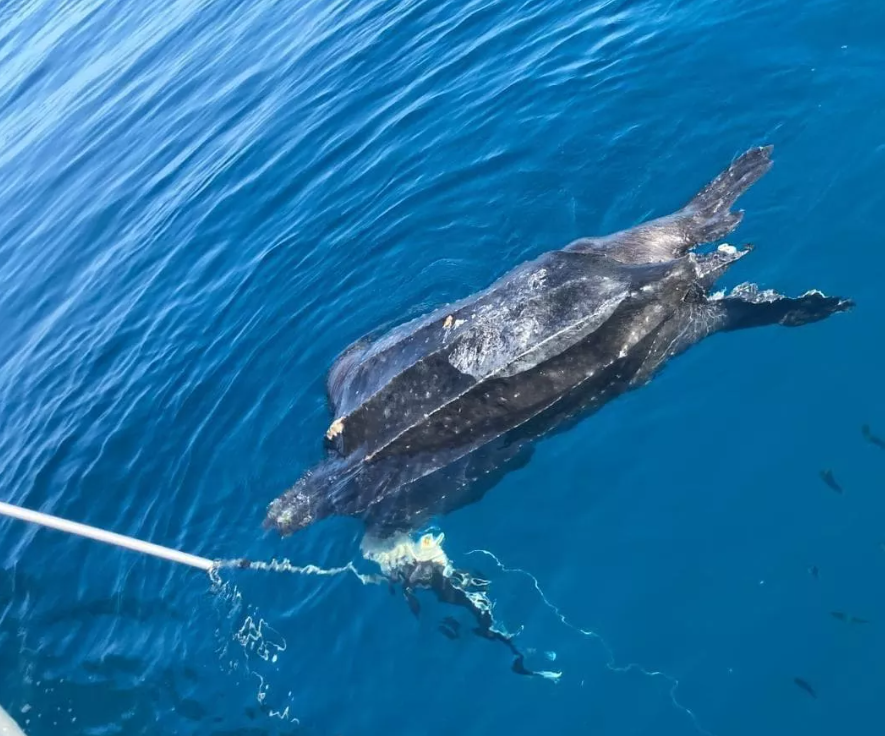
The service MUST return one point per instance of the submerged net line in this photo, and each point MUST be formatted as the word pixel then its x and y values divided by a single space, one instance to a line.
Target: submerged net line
pixel 259 646
pixel 427 548
pixel 259 640
pixel 285 565
pixel 155 550
pixel 589 633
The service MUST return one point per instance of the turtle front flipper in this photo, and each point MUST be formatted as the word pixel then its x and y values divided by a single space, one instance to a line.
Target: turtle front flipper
pixel 747 306
pixel 705 219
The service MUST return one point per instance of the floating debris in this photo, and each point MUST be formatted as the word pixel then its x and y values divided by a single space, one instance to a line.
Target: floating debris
pixel 830 479
pixel 422 564
pixel 805 686
pixel 447 632
pixel 871 438
pixel 413 603
pixel 450 628
pixel 814 571
pixel 842 616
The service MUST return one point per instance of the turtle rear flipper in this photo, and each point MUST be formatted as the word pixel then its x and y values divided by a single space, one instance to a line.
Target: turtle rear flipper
pixel 706 218
pixel 709 216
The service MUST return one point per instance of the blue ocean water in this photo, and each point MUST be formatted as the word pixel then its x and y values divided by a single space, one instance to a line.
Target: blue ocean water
pixel 202 203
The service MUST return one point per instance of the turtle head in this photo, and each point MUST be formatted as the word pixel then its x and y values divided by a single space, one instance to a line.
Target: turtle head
pixel 319 493
pixel 294 510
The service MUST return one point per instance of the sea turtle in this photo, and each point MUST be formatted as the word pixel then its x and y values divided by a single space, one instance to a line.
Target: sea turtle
pixel 429 415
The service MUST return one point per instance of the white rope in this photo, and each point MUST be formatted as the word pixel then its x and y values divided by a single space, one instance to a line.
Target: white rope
pixel 100 535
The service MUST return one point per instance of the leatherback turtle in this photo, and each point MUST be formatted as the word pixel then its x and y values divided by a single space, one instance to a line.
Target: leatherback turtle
pixel 428 416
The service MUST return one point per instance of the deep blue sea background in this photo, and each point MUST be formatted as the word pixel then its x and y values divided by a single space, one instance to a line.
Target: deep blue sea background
pixel 202 203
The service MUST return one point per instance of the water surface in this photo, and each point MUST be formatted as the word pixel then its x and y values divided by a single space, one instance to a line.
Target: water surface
pixel 204 202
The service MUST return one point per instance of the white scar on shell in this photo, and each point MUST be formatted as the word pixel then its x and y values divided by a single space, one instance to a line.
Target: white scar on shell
pixel 336 428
